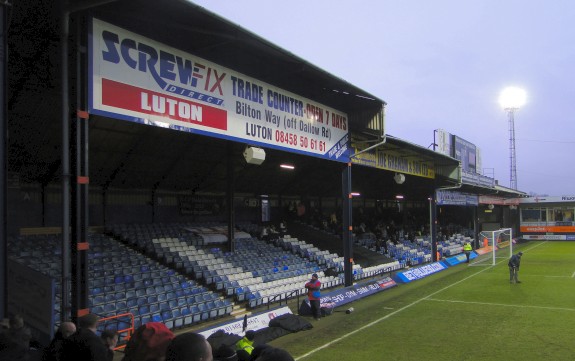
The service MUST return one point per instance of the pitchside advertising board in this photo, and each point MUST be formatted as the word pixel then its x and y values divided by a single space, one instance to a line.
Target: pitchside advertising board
pixel 138 79
pixel 349 294
pixel 419 273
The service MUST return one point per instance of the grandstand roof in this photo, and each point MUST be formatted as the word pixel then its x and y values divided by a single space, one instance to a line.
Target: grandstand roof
pixel 130 155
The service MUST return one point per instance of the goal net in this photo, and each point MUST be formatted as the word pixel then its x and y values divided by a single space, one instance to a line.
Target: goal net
pixel 493 246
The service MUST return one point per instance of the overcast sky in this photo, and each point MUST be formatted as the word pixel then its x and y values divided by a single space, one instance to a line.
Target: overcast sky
pixel 442 64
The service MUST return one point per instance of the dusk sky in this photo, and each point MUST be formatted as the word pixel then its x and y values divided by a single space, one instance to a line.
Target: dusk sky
pixel 442 65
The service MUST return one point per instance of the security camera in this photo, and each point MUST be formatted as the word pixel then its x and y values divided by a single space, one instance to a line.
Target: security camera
pixel 399 178
pixel 254 155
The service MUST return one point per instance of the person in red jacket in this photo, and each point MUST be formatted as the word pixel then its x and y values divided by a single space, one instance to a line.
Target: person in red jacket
pixel 314 296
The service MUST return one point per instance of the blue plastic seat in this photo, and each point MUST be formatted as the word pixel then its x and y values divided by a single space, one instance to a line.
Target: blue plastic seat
pixel 132 302
pixel 157 317
pixel 121 306
pixel 178 318
pixel 109 308
pixel 196 314
pixel 154 307
pixel 204 311
pixel 220 307
pixel 142 301
pixel 98 300
pixel 96 291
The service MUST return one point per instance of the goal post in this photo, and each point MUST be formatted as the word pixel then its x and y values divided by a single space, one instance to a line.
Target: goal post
pixel 493 246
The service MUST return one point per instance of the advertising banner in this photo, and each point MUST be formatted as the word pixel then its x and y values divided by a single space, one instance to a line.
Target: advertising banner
pixel 254 323
pixel 549 237
pixel 547 229
pixel 392 161
pixel 477 179
pixel 465 152
pixel 419 272
pixel 543 199
pixel 454 198
pixel 355 292
pixel 443 142
pixel 138 79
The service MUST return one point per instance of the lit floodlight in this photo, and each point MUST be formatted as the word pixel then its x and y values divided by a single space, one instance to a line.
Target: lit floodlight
pixel 512 98
pixel 287 166
pixel 399 196
pixel 355 194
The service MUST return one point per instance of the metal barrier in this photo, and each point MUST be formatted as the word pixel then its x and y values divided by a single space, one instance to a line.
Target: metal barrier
pixel 286 296
pixel 124 334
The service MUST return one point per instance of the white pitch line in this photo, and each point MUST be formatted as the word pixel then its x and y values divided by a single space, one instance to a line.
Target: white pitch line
pixel 395 312
pixel 573 275
pixel 547 276
pixel 502 304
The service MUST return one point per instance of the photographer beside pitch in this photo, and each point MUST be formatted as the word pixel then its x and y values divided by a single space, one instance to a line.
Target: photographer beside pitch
pixel 513 264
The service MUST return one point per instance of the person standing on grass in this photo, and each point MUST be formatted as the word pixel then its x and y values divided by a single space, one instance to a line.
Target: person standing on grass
pixel 513 264
pixel 467 249
pixel 313 294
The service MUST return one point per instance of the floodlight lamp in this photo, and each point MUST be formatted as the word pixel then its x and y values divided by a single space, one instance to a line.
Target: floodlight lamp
pixel 399 196
pixel 355 194
pixel 287 166
pixel 512 98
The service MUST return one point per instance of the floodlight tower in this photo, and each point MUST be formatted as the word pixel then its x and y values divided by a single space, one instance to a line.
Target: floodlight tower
pixel 511 99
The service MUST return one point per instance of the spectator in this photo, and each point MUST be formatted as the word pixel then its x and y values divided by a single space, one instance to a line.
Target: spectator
pixel 85 343
pixel 110 340
pixel 54 350
pixel 258 350
pixel 245 346
pixel 283 228
pixel 18 332
pixel 264 235
pixel 15 341
pixel 189 347
pixel 149 343
pixel 225 353
pixel 274 354
pixel 313 294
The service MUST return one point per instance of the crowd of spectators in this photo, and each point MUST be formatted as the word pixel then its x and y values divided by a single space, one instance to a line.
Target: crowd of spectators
pixel 152 341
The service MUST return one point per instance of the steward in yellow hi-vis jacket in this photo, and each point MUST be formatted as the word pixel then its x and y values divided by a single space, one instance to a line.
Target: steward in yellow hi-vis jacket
pixel 467 249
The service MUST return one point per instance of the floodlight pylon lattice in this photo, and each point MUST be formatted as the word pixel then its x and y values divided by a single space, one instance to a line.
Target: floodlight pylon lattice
pixel 512 155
